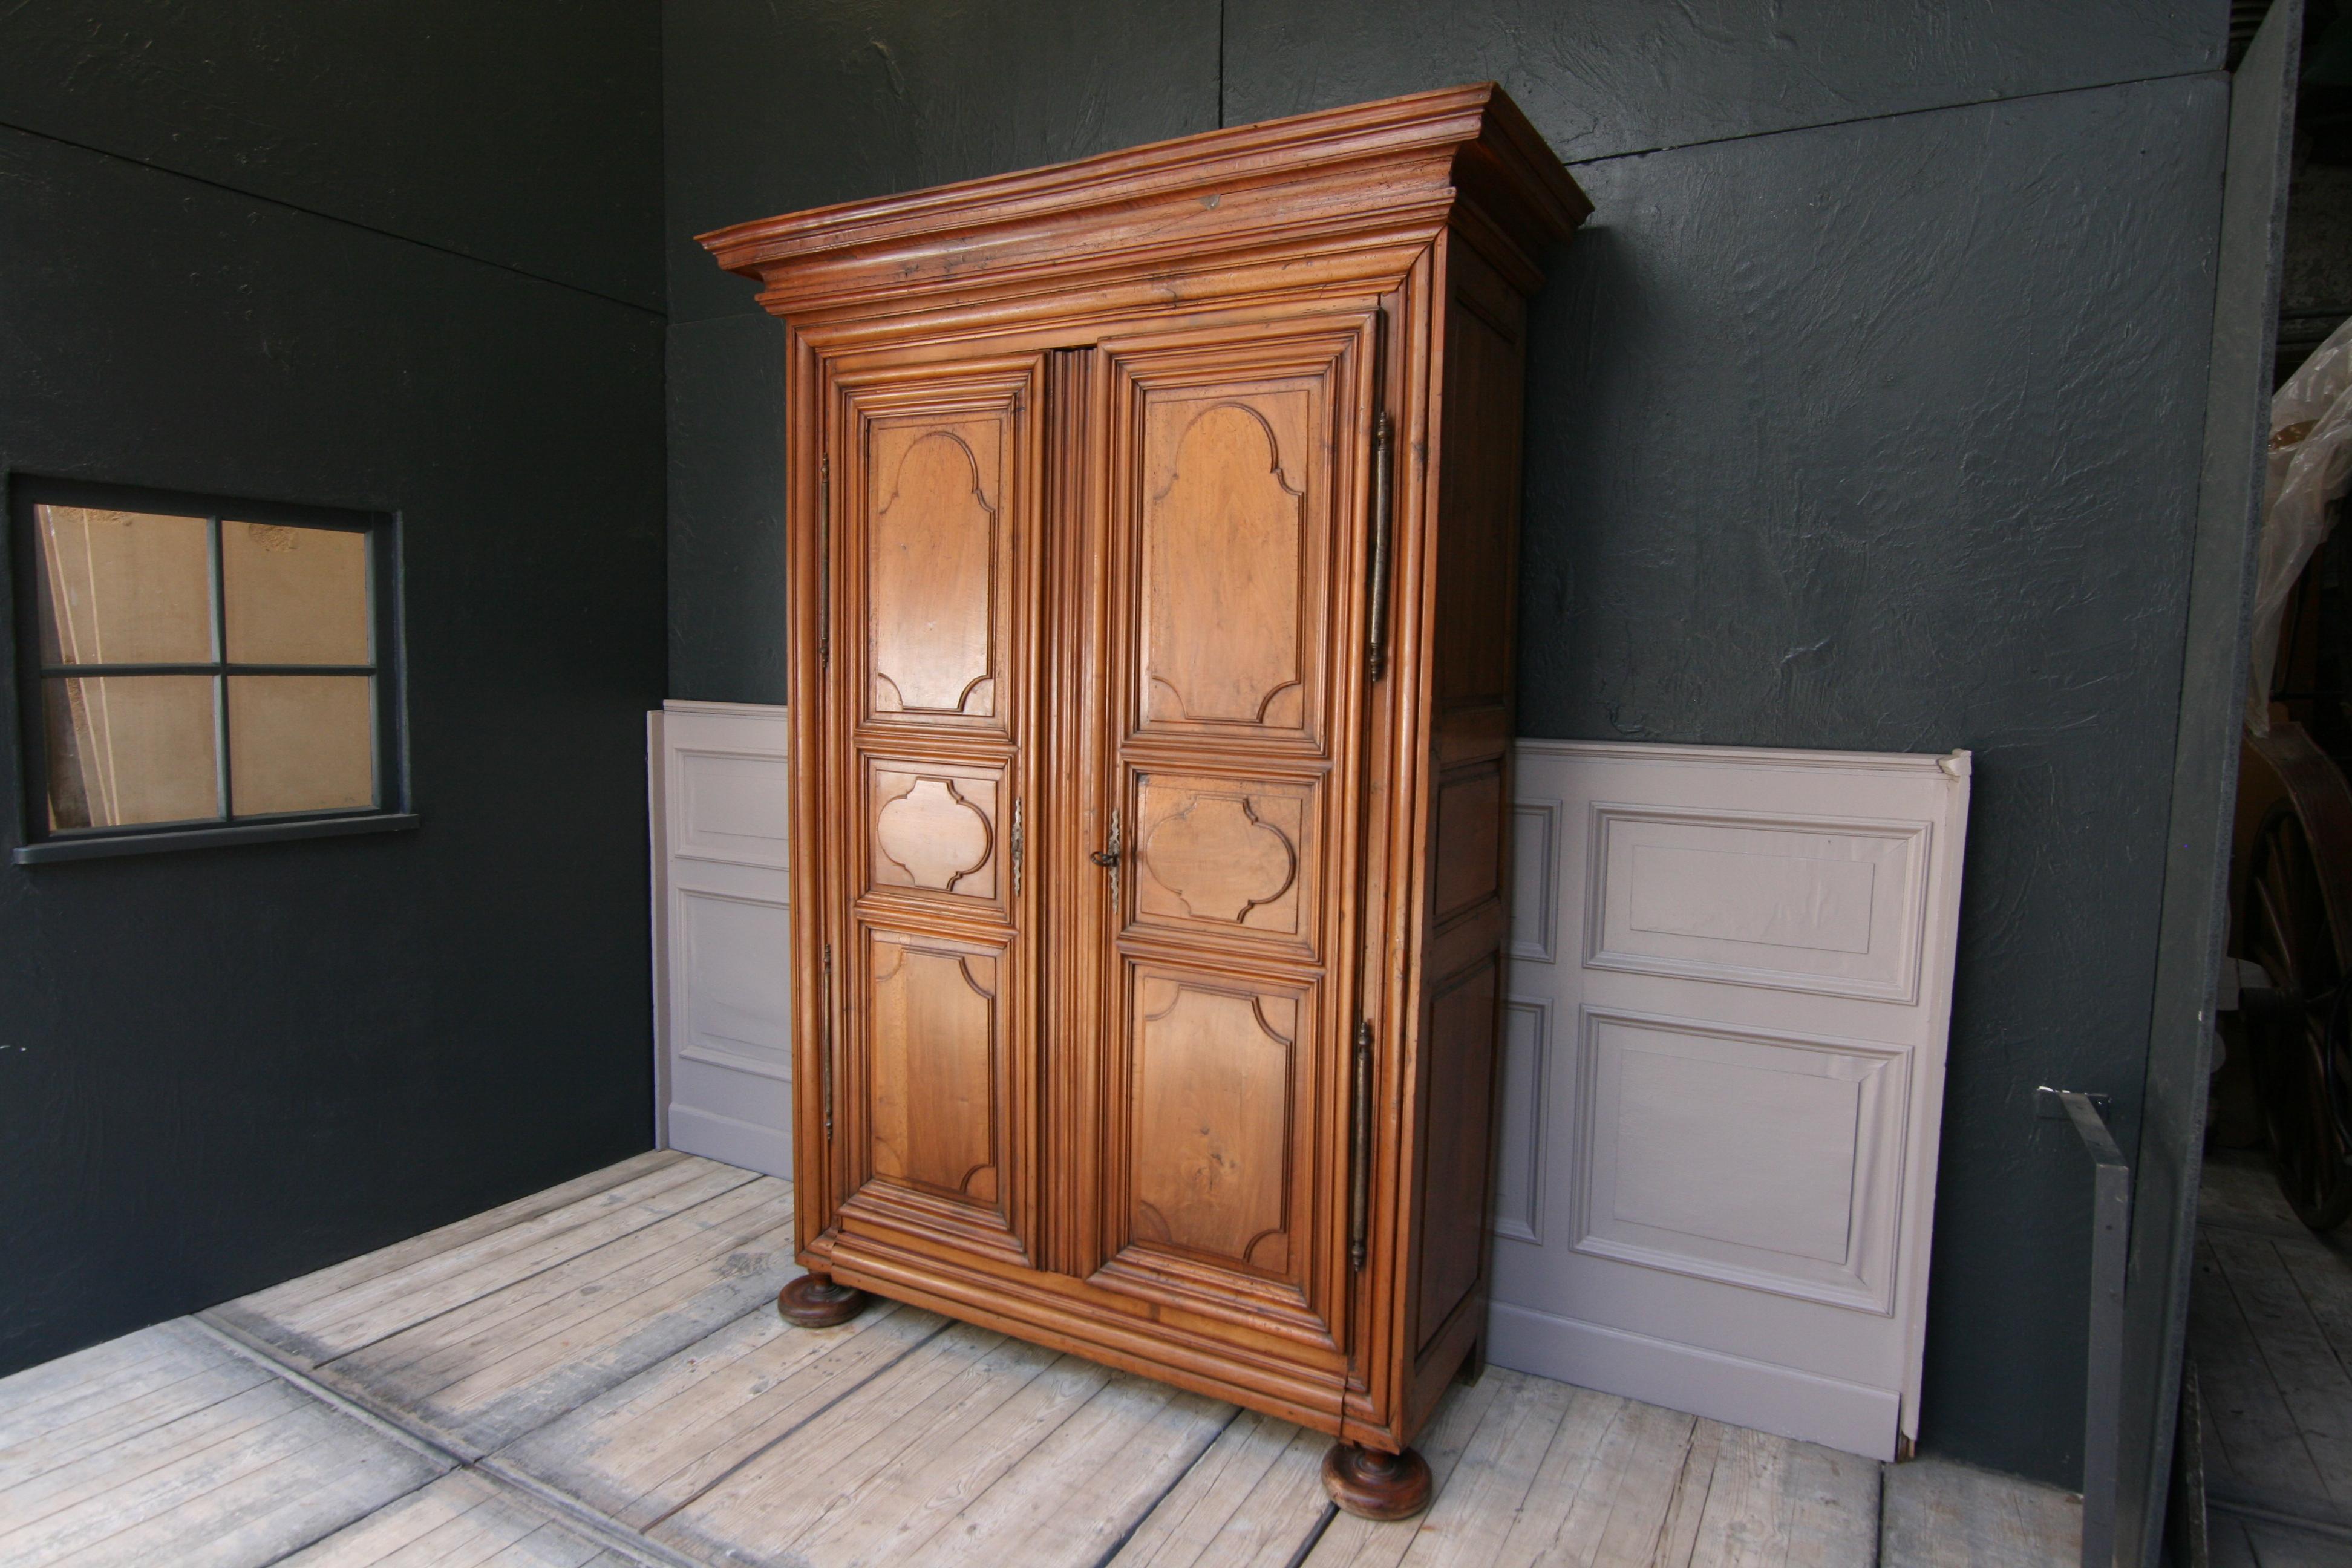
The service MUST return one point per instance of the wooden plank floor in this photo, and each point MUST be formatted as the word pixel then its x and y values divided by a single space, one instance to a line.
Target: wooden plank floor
pixel 2270 1328
pixel 595 1376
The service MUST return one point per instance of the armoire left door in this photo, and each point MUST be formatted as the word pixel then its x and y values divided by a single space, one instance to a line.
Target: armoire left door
pixel 929 520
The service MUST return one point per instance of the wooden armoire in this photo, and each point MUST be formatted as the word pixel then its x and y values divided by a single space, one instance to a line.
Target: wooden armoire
pixel 1154 522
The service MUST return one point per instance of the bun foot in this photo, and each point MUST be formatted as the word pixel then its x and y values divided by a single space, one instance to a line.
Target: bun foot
pixel 1373 1485
pixel 814 1301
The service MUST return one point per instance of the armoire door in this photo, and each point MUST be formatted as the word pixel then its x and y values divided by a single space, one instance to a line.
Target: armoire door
pixel 931 497
pixel 1235 524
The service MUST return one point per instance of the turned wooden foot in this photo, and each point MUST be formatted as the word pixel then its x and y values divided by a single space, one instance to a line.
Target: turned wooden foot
pixel 814 1301
pixel 1373 1485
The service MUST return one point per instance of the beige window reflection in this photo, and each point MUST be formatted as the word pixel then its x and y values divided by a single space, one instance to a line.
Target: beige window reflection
pixel 127 750
pixel 124 587
pixel 300 743
pixel 296 596
pixel 162 635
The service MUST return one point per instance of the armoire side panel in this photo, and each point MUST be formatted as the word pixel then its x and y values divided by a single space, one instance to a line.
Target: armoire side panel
pixel 1475 594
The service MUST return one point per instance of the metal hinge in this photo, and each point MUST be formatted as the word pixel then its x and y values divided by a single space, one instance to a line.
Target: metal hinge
pixel 825 561
pixel 824 1065
pixel 1016 848
pixel 1376 643
pixel 1360 1160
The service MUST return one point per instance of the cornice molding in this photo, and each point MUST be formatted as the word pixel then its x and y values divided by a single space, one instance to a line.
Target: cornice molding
pixel 1398 167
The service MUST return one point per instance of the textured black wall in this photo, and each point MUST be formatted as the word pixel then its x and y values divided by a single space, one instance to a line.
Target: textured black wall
pixel 1867 413
pixel 251 258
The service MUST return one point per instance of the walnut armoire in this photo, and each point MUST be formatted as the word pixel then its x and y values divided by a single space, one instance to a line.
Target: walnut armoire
pixel 1154 524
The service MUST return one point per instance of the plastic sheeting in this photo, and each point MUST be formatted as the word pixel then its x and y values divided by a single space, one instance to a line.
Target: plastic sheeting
pixel 2310 466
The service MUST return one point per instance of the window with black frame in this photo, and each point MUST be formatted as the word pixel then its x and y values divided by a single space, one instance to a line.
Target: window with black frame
pixel 202 670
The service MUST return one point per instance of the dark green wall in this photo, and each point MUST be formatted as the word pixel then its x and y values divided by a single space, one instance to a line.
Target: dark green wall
pixel 1865 413
pixel 391 254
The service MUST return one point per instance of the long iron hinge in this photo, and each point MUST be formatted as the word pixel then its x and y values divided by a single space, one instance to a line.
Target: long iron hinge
pixel 1016 847
pixel 824 560
pixel 1360 1161
pixel 824 1065
pixel 1376 643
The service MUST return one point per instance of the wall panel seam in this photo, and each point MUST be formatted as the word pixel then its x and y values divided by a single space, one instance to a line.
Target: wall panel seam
pixel 2216 74
pixel 280 202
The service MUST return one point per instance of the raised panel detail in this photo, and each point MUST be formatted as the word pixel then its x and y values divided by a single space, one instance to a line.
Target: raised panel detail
pixel 933 1056
pixel 1790 903
pixel 934 829
pixel 1519 1164
pixel 1225 855
pixel 936 560
pixel 1211 1147
pixel 734 808
pixel 734 955
pixel 1224 529
pixel 1457 1086
pixel 1469 854
pixel 1764 1161
pixel 1535 880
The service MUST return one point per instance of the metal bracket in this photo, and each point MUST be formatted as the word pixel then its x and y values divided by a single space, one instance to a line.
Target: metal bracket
pixel 2050 1104
pixel 2111 1205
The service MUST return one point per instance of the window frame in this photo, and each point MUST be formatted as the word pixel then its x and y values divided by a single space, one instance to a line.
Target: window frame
pixel 39 842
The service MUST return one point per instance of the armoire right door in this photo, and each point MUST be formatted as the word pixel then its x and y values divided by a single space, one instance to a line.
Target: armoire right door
pixel 1227 797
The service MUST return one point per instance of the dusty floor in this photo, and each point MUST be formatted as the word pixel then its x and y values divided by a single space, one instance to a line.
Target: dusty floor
pixel 2270 1331
pixel 596 1375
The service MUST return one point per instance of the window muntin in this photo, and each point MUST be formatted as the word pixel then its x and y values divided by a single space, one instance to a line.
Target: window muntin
pixel 204 666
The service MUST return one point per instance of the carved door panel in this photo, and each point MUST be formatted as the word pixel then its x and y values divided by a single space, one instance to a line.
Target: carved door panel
pixel 931 474
pixel 1237 465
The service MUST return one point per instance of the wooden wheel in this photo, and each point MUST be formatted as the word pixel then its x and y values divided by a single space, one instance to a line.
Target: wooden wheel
pixel 2297 1026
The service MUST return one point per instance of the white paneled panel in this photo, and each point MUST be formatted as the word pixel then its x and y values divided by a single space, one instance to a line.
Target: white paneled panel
pixel 1767 1162
pixel 730 809
pixel 738 993
pixel 1518 1175
pixel 1796 903
pixel 722 946
pixel 1722 1078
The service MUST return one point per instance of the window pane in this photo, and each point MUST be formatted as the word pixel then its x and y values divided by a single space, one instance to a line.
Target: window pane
pixel 124 587
pixel 127 748
pixel 296 596
pixel 301 743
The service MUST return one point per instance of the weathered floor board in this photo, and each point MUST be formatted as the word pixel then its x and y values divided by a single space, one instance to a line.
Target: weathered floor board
pixel 462 1521
pixel 2270 1328
pixel 1940 1515
pixel 647 1448
pixel 595 1376
pixel 226 1463
pixel 521 1334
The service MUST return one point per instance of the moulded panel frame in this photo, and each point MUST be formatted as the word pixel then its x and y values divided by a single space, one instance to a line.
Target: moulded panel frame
pixel 1000 386
pixel 1002 1228
pixel 1308 1311
pixel 1864 1280
pixel 1915 838
pixel 958 787
pixel 1325 359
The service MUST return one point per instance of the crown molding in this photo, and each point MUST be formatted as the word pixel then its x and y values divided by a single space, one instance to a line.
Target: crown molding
pixel 1397 169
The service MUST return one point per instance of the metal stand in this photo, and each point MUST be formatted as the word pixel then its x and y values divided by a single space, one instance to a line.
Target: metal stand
pixel 2110 1250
